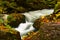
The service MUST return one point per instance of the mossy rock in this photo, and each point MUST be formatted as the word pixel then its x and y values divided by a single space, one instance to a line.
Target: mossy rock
pixel 15 19
pixel 9 34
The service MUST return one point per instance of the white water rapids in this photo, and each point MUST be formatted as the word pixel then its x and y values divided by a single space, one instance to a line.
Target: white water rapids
pixel 24 28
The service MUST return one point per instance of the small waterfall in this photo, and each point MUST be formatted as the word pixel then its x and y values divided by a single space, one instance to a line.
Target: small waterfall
pixel 31 16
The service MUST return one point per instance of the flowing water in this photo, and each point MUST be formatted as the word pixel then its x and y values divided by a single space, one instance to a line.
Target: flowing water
pixel 31 16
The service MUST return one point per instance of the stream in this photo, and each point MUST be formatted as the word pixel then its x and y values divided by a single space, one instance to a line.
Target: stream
pixel 31 16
